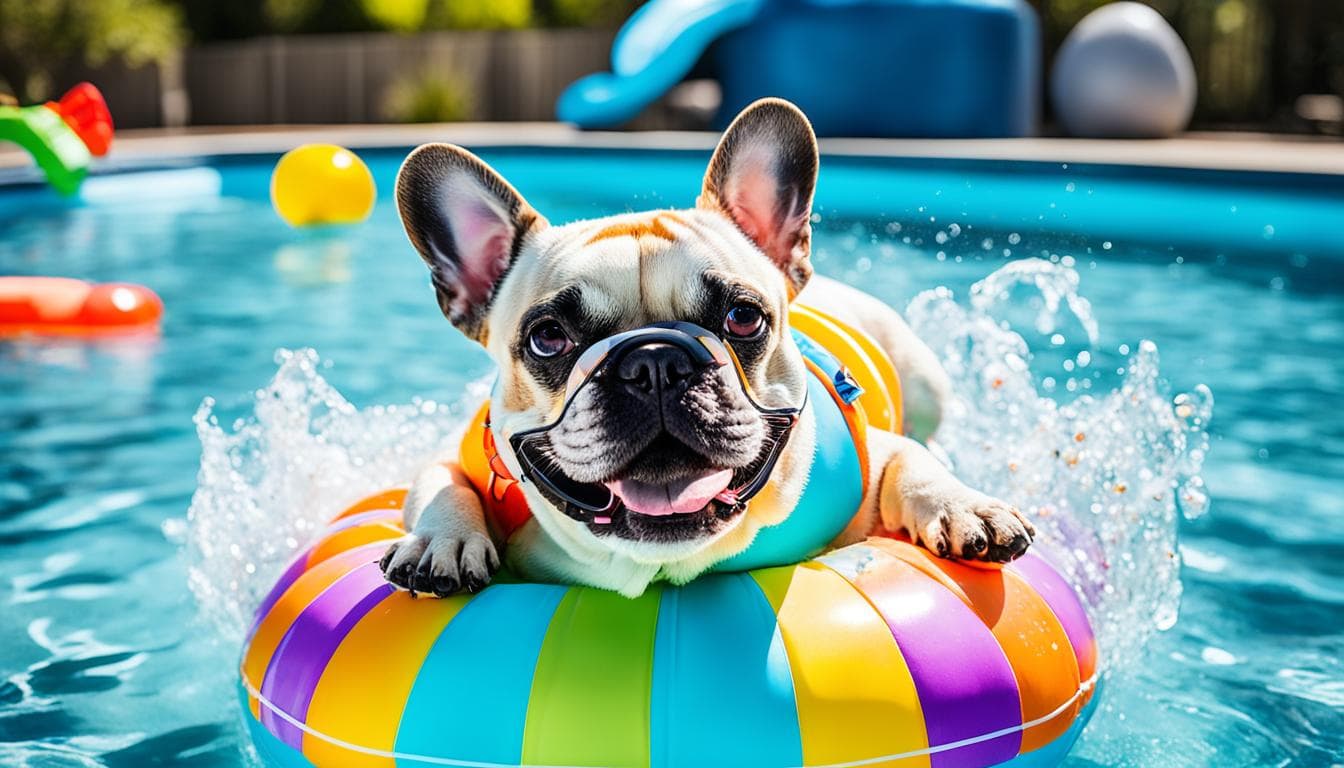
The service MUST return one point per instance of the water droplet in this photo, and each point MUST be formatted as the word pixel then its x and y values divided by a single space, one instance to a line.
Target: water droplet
pixel 1014 239
pixel 1106 246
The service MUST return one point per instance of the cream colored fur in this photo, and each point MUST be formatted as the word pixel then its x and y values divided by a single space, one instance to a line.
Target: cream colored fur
pixel 642 279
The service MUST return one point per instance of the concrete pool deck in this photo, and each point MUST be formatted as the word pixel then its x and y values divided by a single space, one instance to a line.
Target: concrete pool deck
pixel 1208 151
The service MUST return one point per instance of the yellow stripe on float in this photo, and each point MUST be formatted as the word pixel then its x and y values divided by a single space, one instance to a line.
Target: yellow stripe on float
pixel 362 692
pixel 882 364
pixel 882 408
pixel 855 696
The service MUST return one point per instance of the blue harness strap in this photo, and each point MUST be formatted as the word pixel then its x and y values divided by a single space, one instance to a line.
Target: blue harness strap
pixel 835 483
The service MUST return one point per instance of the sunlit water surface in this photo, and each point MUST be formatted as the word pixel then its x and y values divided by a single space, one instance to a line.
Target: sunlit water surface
pixel 1086 368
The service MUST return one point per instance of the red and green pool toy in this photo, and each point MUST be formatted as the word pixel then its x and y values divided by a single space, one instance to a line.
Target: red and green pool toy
pixel 62 136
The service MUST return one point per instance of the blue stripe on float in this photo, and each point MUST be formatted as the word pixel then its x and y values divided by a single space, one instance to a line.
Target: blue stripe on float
pixel 1053 754
pixel 833 493
pixel 714 680
pixel 273 752
pixel 470 699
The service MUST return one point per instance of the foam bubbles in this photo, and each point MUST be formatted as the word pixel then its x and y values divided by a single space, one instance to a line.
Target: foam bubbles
pixel 273 479
pixel 1103 475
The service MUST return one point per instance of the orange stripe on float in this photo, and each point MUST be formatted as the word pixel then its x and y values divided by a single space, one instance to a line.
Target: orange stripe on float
pixel 856 419
pixel 391 499
pixel 1031 637
pixel 272 628
pixel 856 698
pixel 366 533
pixel 362 692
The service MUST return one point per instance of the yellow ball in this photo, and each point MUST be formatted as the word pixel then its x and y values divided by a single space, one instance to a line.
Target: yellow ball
pixel 322 184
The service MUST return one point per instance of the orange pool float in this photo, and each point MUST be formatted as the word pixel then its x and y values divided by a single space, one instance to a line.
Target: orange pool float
pixel 62 306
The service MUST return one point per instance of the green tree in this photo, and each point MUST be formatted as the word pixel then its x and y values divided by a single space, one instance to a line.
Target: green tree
pixel 478 14
pixel 40 37
pixel 590 13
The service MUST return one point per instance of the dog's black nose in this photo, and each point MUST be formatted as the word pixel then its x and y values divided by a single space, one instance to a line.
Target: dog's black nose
pixel 651 369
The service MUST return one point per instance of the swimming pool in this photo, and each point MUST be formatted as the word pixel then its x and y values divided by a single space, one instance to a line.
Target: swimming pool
pixel 1237 278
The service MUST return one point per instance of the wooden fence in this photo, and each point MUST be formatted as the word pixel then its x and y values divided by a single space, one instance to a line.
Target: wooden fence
pixel 513 75
pixel 506 76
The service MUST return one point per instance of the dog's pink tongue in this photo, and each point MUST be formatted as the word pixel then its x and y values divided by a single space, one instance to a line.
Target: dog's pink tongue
pixel 680 497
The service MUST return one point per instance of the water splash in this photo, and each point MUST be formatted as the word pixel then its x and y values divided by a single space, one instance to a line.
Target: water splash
pixel 1102 476
pixel 275 478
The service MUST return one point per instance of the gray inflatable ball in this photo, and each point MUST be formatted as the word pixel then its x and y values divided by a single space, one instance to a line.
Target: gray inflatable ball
pixel 1123 72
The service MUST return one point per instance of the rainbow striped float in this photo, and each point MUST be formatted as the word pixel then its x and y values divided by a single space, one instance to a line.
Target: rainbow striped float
pixel 876 654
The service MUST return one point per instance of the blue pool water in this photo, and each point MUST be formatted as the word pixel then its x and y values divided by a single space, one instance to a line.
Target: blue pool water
pixel 107 659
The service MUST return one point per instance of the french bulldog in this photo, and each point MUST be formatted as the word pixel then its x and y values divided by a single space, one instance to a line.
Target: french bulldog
pixel 664 435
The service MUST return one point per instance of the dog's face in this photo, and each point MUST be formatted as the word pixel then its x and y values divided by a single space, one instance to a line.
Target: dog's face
pixel 670 436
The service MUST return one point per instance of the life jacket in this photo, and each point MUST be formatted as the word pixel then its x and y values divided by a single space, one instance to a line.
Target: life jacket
pixel 852 384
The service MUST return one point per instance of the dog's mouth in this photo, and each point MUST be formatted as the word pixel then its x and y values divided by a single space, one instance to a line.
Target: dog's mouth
pixel 677 497
pixel 668 493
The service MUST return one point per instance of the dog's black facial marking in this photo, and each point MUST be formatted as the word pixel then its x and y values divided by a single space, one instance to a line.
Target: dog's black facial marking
pixel 705 422
pixel 581 324
pixel 725 291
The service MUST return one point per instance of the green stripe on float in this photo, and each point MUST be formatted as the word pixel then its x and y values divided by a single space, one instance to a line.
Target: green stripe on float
pixel 590 693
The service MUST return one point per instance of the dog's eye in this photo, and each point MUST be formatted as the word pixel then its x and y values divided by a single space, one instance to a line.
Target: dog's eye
pixel 744 321
pixel 548 339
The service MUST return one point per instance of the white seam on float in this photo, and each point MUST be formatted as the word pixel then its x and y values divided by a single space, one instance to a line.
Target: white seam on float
pixel 1083 688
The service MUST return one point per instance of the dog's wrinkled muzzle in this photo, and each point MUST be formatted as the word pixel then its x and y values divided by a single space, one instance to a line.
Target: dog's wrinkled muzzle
pixel 641 357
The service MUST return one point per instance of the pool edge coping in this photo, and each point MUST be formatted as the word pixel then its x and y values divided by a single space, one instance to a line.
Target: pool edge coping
pixel 1254 153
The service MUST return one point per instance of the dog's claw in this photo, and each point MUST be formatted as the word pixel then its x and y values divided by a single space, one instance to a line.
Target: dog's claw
pixel 439 565
pixel 444 586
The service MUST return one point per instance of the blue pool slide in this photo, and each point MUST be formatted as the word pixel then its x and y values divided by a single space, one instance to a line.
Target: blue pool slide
pixel 936 68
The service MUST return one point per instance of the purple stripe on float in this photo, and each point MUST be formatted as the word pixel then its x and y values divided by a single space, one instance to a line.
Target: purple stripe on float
pixel 966 687
pixel 299 564
pixel 303 654
pixel 1066 606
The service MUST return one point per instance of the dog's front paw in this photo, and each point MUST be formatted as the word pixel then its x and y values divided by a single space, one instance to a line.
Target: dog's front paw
pixel 973 526
pixel 440 564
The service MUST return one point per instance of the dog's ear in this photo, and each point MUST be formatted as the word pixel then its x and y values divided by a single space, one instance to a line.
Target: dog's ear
pixel 762 176
pixel 467 222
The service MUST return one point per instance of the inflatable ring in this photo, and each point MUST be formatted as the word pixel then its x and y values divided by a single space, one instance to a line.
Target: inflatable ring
pixel 876 654
pixel 62 306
